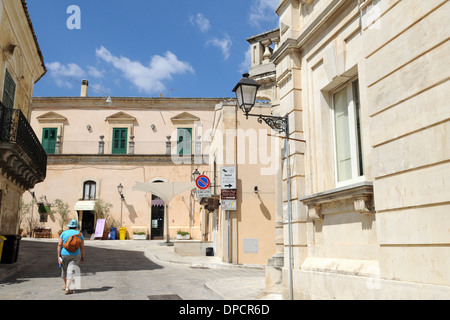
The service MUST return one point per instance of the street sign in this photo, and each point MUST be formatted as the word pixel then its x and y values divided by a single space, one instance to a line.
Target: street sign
pixel 228 194
pixel 204 193
pixel 203 182
pixel 228 177
pixel 228 204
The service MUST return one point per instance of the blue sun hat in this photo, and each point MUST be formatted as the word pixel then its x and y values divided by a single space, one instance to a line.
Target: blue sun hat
pixel 73 224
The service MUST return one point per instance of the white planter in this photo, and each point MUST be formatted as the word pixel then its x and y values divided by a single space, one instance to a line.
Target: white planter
pixel 139 237
pixel 185 237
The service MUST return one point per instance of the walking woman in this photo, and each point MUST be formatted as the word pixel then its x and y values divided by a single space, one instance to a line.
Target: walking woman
pixel 69 260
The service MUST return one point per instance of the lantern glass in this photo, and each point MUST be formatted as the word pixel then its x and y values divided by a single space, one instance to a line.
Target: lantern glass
pixel 246 90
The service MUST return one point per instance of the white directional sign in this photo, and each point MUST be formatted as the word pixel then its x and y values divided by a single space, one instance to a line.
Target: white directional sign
pixel 228 205
pixel 204 193
pixel 228 177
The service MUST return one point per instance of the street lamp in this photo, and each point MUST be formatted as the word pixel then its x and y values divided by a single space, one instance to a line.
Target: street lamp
pixel 246 93
pixel 122 198
pixel 195 174
pixel 246 90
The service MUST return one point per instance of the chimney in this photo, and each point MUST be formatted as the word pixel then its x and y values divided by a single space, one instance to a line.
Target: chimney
pixel 84 88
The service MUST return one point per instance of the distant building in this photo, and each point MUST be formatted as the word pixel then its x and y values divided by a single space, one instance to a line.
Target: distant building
pixel 22 160
pixel 93 145
pixel 365 83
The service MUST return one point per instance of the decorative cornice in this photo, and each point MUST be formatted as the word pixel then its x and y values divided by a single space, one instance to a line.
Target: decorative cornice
pixel 361 193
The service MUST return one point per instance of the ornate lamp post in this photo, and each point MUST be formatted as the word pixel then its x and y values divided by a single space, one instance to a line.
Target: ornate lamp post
pixel 122 198
pixel 246 90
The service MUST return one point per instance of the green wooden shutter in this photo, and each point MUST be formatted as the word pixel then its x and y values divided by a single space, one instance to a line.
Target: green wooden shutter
pixel 9 91
pixel 49 139
pixel 119 145
pixel 184 141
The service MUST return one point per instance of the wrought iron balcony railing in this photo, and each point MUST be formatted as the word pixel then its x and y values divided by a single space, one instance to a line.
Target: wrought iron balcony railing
pixel 22 157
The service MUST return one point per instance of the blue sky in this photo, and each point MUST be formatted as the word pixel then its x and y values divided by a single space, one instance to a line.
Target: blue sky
pixel 182 48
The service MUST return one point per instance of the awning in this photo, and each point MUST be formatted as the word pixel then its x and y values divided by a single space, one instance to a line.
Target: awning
pixel 84 205
pixel 158 202
pixel 165 190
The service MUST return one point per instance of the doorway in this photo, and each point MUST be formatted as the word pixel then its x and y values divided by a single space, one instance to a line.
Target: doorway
pixel 157 232
pixel 88 223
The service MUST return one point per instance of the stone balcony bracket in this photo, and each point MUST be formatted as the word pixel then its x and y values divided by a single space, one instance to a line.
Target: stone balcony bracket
pixel 361 193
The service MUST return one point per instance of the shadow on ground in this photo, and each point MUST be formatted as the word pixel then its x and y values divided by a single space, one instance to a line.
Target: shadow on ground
pixel 39 260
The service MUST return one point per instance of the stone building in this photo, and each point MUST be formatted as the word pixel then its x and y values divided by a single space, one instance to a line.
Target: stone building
pixel 365 86
pixel 246 227
pixel 94 145
pixel 22 159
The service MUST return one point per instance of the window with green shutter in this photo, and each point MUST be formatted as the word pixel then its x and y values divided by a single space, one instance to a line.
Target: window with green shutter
pixel 49 139
pixel 9 91
pixel 119 143
pixel 184 141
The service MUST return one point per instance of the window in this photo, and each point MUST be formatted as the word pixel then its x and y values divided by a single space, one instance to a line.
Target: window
pixel 119 141
pixel 9 91
pixel 89 190
pixel 49 140
pixel 184 141
pixel 347 133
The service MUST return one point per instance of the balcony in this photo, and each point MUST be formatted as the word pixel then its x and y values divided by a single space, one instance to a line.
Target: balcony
pixel 22 158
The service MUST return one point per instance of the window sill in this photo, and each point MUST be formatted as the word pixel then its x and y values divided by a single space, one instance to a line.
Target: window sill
pixel 361 193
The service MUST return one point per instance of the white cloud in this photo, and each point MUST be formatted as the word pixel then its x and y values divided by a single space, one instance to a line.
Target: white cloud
pixel 148 79
pixel 63 74
pixel 262 12
pixel 223 44
pixel 245 65
pixel 201 22
pixel 94 72
pixel 60 73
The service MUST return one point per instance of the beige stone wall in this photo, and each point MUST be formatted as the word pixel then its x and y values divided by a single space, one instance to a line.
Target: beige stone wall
pixel 390 242
pixel 19 55
pixel 244 143
pixel 407 94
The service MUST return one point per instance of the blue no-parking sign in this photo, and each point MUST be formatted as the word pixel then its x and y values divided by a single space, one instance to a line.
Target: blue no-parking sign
pixel 203 182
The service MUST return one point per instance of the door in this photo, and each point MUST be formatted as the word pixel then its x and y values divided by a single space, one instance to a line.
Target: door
pixel 157 232
pixel 49 140
pixel 119 141
pixel 88 223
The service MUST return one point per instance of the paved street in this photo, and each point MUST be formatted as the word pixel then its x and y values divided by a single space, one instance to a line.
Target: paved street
pixel 138 270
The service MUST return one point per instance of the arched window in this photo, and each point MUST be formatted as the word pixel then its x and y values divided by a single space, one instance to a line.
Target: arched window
pixel 89 190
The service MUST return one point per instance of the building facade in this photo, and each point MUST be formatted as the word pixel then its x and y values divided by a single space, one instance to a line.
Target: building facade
pixel 244 226
pixel 22 159
pixel 94 146
pixel 364 86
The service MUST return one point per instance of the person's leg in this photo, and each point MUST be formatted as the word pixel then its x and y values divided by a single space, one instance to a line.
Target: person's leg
pixel 64 266
pixel 73 263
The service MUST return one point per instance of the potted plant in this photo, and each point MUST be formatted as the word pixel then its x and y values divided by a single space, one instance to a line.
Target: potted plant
pixel 62 209
pixel 183 235
pixel 139 235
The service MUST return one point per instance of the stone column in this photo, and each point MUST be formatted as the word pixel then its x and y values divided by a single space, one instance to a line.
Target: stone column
pixel 101 145
pixel 131 145
pixel 168 145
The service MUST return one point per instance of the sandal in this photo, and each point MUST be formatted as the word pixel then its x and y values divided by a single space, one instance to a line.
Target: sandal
pixel 64 288
pixel 68 291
